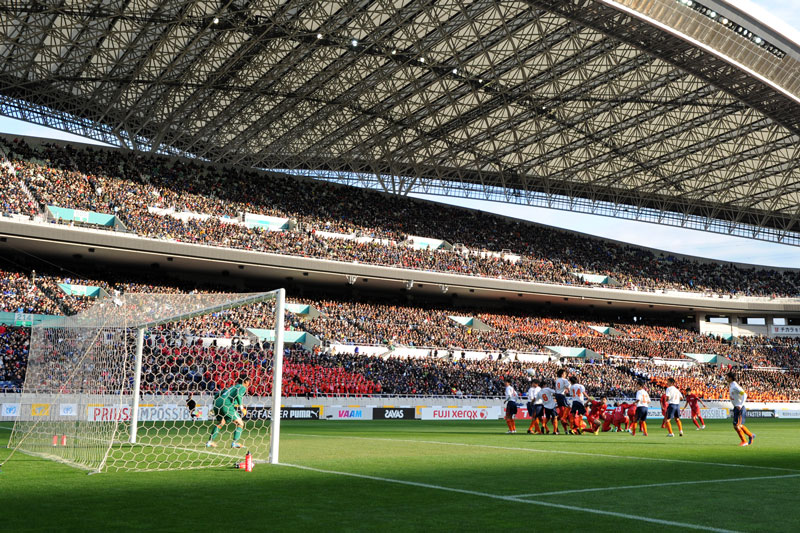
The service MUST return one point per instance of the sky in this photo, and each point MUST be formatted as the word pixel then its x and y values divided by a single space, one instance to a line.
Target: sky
pixel 783 16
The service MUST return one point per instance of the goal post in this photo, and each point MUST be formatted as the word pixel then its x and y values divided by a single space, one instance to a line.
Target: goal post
pixel 277 382
pixel 133 383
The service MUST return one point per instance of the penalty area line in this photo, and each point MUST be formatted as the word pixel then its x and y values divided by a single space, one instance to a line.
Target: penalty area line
pixel 558 452
pixel 512 499
pixel 650 485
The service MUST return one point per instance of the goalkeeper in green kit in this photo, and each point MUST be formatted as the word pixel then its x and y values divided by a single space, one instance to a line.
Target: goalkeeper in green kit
pixel 226 404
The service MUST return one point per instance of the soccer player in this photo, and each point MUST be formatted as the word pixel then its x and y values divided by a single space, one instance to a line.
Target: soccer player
pixel 548 399
pixel 597 415
pixel 663 401
pixel 579 396
pixel 674 397
pixel 738 397
pixel 691 401
pixel 642 403
pixel 562 408
pixel 617 418
pixel 511 407
pixel 631 415
pixel 225 406
pixel 191 405
pixel 535 408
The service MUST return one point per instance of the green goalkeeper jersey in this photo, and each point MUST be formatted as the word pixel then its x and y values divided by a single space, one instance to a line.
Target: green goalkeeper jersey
pixel 234 394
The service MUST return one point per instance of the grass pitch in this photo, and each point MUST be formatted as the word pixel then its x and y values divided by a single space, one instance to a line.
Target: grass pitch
pixel 435 476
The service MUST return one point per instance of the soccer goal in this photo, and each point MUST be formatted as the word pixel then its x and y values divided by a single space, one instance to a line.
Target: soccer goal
pixel 156 382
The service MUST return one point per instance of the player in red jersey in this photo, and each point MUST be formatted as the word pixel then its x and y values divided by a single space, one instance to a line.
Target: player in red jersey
pixel 631 416
pixel 692 401
pixel 596 414
pixel 663 401
pixel 617 418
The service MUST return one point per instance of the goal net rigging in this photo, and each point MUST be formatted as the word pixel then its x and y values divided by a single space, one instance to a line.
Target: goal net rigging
pixel 140 382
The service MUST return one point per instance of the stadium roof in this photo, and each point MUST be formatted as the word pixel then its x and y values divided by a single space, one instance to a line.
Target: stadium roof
pixel 671 111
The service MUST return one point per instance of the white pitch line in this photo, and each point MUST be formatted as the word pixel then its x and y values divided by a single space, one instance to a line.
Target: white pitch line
pixel 559 452
pixel 513 499
pixel 603 489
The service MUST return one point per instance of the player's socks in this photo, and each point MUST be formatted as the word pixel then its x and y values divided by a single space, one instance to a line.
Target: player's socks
pixel 508 423
pixel 746 431
pixel 702 422
pixel 664 424
pixel 643 427
pixel 237 433
pixel 741 434
pixel 680 426
pixel 667 425
pixel 513 425
pixel 696 423
pixel 214 434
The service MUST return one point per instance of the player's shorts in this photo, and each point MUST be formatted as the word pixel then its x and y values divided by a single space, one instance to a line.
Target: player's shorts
pixel 739 415
pixel 578 408
pixel 695 413
pixel 641 414
pixel 673 411
pixel 529 405
pixel 549 414
pixel 538 410
pixel 561 401
pixel 225 411
pixel 511 408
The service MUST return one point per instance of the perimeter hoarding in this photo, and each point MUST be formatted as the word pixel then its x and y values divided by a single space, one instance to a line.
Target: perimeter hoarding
pixel 460 413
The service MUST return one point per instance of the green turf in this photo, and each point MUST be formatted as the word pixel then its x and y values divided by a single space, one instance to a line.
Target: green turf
pixel 411 463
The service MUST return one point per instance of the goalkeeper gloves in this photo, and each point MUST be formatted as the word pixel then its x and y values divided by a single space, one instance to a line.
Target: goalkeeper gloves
pixel 243 410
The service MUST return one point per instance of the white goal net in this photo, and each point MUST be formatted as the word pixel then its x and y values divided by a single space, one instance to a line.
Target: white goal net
pixel 155 382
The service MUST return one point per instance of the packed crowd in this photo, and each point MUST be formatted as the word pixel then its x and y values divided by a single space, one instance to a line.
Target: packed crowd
pixel 14 345
pixel 127 184
pixel 708 381
pixel 378 322
pixel 18 294
pixel 13 198
pixel 208 353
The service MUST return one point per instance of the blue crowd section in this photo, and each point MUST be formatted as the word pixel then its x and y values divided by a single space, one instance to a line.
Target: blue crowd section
pixel 379 229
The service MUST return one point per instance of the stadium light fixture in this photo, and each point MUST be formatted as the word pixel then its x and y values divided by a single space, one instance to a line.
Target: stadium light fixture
pixel 319 36
pixel 215 20
pixel 354 43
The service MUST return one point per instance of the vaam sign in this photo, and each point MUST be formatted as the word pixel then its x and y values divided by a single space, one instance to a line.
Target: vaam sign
pixel 348 413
